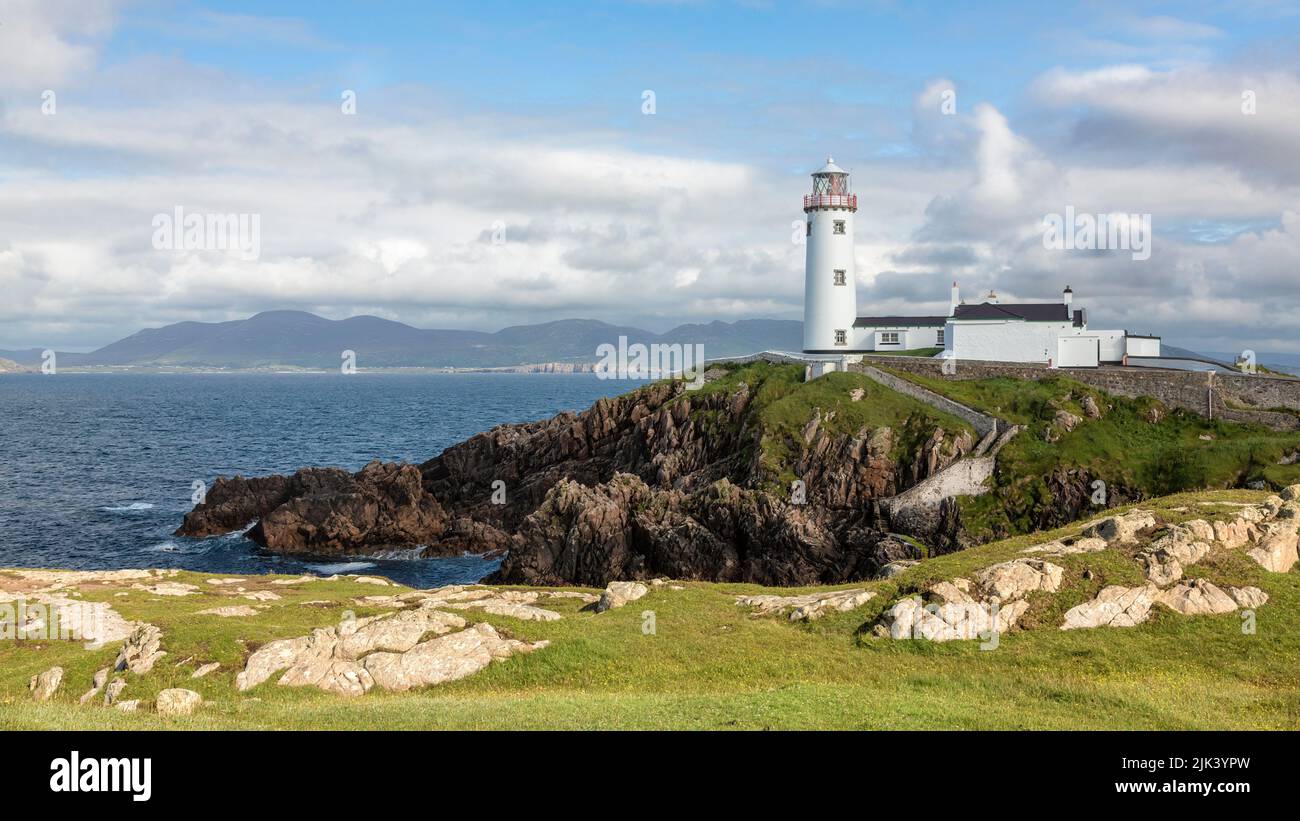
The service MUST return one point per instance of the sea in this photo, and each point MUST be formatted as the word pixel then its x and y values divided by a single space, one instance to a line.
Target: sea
pixel 97 469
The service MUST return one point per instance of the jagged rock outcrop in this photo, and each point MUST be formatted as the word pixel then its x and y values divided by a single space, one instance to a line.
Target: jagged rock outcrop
pixel 141 650
pixel 659 481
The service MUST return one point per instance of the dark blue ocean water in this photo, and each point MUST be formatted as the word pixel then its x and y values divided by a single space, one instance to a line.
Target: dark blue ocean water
pixel 96 469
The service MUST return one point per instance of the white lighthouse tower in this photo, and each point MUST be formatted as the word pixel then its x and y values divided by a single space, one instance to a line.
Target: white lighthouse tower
pixel 830 297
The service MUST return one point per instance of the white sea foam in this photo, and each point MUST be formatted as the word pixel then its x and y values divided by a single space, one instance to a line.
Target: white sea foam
pixel 340 567
pixel 132 506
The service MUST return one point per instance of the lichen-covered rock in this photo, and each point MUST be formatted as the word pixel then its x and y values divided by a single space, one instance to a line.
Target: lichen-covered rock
pixel 1019 577
pixel 44 686
pixel 807 607
pixel 177 702
pixel 1167 557
pixel 1248 597
pixel 1234 534
pixel 206 669
pixel 113 690
pixel 1198 530
pixel 168 589
pixel 505 607
pixel 952 613
pixel 618 594
pixel 1197 597
pixel 141 650
pixel 445 658
pixel 1066 421
pixel 1123 528
pixel 1114 606
pixel 236 611
pixel 958 619
pixel 1059 547
pixel 97 684
pixel 329 658
pixel 1277 548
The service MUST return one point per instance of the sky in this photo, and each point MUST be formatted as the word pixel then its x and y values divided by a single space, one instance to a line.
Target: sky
pixel 486 164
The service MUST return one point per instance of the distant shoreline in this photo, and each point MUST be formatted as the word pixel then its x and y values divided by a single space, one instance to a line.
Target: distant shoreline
pixel 546 368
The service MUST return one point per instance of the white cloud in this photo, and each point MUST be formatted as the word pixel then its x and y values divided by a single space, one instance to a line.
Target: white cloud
pixel 44 43
pixel 393 211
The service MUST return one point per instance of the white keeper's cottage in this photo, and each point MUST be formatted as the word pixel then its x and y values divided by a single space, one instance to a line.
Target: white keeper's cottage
pixel 1056 333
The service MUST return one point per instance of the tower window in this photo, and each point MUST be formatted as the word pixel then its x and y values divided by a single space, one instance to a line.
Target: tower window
pixel 808 226
pixel 839 226
pixel 841 336
pixel 839 276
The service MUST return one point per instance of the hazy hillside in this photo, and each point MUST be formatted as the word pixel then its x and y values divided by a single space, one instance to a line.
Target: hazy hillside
pixel 297 338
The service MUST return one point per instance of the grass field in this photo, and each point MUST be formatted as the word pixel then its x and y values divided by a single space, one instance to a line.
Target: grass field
pixel 710 665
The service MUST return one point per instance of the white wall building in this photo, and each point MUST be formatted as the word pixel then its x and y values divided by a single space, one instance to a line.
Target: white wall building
pixel 1048 332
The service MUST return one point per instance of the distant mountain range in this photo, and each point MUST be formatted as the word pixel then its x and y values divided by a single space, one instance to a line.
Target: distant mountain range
pixel 297 339
pixel 300 339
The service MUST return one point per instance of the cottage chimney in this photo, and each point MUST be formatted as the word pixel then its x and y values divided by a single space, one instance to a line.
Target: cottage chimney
pixel 955 300
pixel 1067 296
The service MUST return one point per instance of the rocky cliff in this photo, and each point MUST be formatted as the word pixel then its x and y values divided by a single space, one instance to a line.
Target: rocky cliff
pixel 757 477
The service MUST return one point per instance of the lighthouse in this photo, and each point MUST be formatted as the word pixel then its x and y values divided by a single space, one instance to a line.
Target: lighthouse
pixel 830 298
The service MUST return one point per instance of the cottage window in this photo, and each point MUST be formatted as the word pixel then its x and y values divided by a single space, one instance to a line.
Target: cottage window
pixel 939 341
pixel 889 337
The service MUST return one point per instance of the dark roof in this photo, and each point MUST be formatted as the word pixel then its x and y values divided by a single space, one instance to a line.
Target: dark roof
pixel 899 321
pixel 1027 311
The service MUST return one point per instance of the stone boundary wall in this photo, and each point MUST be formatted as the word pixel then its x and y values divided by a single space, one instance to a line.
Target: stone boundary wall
pixel 1235 398
pixel 982 422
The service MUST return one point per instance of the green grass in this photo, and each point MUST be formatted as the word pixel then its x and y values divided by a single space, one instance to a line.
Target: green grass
pixel 1134 457
pixel 711 666
pixel 782 404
